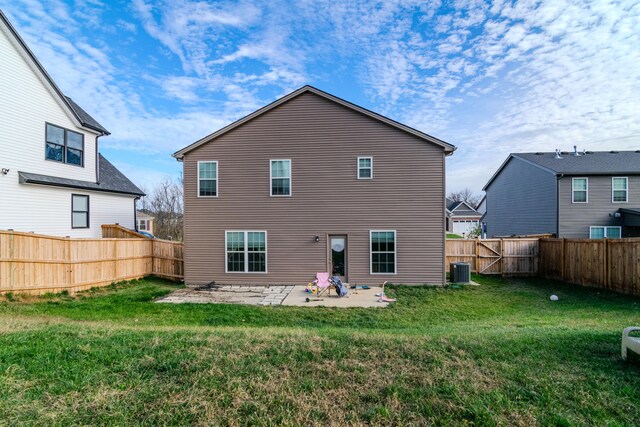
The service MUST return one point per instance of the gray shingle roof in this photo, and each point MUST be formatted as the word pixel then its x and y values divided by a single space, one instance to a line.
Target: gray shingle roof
pixel 591 163
pixel 111 180
pixel 85 118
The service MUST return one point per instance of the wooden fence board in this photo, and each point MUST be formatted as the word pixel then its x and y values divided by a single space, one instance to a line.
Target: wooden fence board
pixel 507 257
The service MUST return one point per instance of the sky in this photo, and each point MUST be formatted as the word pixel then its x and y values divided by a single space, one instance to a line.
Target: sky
pixel 489 77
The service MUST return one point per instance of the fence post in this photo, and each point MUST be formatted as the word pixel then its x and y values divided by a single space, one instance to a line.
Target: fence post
pixel 11 258
pixel 477 262
pixel 605 264
pixel 69 275
pixel 562 258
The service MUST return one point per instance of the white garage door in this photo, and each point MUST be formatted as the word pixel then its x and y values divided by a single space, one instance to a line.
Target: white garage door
pixel 460 227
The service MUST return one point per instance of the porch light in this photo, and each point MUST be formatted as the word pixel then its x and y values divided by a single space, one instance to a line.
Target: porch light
pixel 317 239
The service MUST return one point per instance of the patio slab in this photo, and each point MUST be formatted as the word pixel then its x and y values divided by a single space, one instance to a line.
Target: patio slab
pixel 355 298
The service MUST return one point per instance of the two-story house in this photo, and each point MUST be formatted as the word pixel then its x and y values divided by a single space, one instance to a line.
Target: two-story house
pixel 52 178
pixel 314 183
pixel 569 194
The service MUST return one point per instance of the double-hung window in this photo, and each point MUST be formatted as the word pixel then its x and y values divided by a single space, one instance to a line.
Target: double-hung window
pixel 579 190
pixel 280 172
pixel 597 232
pixel 365 167
pixel 64 145
pixel 383 251
pixel 246 251
pixel 79 211
pixel 619 189
pixel 208 179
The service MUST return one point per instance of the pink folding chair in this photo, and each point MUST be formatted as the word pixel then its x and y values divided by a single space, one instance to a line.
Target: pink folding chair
pixel 323 283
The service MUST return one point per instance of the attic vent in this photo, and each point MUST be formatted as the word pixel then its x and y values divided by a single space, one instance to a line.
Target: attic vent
pixel 591 152
pixel 558 156
pixel 637 151
pixel 540 154
pixel 613 152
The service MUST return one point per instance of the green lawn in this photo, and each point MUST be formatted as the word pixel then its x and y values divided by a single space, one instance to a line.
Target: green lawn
pixel 498 354
pixel 453 236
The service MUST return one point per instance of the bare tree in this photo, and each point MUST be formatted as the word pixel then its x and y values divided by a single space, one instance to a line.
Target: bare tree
pixel 165 204
pixel 466 196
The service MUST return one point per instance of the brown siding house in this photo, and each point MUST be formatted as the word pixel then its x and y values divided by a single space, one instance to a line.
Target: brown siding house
pixel 313 183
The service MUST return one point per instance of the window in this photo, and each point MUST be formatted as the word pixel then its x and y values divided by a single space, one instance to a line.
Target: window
pixel 579 190
pixel 64 145
pixel 246 251
pixel 365 167
pixel 280 177
pixel 602 232
pixel 142 224
pixel 208 179
pixel 383 252
pixel 79 211
pixel 619 190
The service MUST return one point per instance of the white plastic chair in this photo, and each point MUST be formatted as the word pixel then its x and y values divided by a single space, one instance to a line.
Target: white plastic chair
pixel 630 343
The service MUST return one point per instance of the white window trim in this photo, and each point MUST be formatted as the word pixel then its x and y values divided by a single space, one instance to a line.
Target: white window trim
pixel 371 168
pixel 572 190
pixel 395 253
pixel 246 252
pixel 142 224
pixel 271 178
pixel 208 179
pixel 605 227
pixel 613 189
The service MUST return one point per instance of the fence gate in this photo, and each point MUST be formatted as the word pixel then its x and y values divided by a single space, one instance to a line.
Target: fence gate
pixel 489 252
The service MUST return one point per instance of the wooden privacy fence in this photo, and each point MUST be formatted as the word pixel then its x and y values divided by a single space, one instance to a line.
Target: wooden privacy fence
pixel 612 264
pixel 33 263
pixel 507 257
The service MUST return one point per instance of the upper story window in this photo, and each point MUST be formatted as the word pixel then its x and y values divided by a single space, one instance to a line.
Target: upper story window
pixel 579 190
pixel 64 145
pixel 365 167
pixel 620 189
pixel 79 211
pixel 280 177
pixel 208 179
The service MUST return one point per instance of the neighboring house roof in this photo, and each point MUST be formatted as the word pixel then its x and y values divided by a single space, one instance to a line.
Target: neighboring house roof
pixel 452 205
pixel 142 215
pixel 589 163
pixel 448 148
pixel 83 118
pixel 111 180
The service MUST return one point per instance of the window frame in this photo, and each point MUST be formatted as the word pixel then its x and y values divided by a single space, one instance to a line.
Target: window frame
pixel 65 145
pixel 246 252
pixel 289 177
pixel 208 179
pixel 370 167
pixel 142 224
pixel 573 191
pixel 626 190
pixel 87 211
pixel 605 228
pixel 395 252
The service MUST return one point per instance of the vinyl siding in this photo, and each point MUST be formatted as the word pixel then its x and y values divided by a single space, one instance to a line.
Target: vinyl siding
pixel 27 103
pixel 323 140
pixel 576 218
pixel 47 210
pixel 521 200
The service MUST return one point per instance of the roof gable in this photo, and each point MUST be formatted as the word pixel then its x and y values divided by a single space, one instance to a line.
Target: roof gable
pixel 75 112
pixel 448 148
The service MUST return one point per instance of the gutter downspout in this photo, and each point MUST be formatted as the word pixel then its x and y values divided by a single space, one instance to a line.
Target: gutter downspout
pixel 558 178
pixel 98 160
pixel 135 214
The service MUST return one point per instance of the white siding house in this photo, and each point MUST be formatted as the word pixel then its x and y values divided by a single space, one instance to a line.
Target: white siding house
pixel 49 153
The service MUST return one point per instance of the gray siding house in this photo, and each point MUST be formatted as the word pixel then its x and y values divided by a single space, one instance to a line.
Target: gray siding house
pixel 461 218
pixel 313 183
pixel 569 194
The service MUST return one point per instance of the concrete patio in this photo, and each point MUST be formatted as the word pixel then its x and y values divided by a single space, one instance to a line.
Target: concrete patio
pixel 273 295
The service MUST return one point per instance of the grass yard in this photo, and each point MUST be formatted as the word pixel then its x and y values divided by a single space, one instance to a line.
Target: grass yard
pixel 499 354
pixel 453 236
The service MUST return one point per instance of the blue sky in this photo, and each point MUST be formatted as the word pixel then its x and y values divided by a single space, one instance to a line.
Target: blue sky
pixel 489 77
